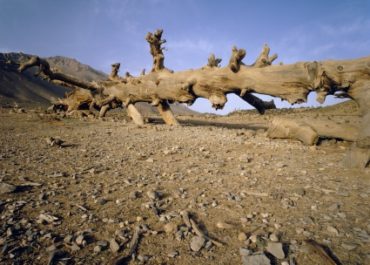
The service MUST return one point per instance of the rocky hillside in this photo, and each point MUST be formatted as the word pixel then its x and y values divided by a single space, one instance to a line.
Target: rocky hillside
pixel 73 67
pixel 24 88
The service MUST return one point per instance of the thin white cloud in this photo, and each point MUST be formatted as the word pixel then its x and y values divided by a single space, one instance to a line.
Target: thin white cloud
pixel 191 45
pixel 322 49
pixel 324 41
pixel 349 27
pixel 122 12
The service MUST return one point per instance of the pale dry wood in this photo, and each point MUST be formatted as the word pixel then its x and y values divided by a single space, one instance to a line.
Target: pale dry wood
pixel 264 59
pixel 166 113
pixel 114 72
pixel 135 114
pixel 291 82
pixel 331 129
pixel 213 61
pixel 309 130
pixel 284 128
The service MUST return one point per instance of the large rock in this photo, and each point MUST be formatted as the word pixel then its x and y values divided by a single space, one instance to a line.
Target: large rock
pixel 257 259
pixel 276 249
pixel 7 188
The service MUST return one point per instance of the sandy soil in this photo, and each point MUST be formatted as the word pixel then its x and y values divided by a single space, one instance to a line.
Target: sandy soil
pixel 110 176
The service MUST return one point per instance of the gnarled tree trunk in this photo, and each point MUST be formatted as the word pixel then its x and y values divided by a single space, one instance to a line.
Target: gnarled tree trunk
pixel 291 82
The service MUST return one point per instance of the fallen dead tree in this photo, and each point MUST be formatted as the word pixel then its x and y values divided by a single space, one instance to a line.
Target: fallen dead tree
pixel 293 82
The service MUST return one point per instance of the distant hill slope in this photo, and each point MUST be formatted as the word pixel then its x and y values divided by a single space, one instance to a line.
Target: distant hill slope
pixel 26 89
pixel 75 68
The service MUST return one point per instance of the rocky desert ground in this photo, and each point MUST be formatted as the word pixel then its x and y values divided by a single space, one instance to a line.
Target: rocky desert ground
pixel 81 190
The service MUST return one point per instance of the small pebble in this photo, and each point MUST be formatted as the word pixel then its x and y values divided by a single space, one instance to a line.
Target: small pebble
pixel 242 236
pixel 274 237
pixel 173 254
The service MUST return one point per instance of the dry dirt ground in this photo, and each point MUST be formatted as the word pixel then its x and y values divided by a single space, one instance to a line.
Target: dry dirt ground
pixel 80 203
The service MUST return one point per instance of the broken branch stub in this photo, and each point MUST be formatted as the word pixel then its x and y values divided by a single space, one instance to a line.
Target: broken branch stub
pixel 156 50
pixel 264 59
pixel 44 68
pixel 114 72
pixel 213 61
pixel 236 59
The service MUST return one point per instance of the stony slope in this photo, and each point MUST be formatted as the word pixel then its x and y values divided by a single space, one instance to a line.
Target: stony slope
pixel 111 176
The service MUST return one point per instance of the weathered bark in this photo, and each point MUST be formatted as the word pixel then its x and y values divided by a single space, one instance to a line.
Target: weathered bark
pixel 135 114
pixel 264 59
pixel 284 128
pixel 44 68
pixel 309 131
pixel 213 61
pixel 290 82
pixel 359 154
pixel 234 65
pixel 114 73
pixel 89 93
pixel 155 41
pixel 236 59
pixel 258 103
pixel 166 113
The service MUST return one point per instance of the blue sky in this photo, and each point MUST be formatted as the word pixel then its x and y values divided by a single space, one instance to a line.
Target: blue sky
pixel 100 32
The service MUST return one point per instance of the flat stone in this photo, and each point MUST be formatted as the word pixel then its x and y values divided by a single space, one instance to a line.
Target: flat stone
pixel 223 225
pixel 348 247
pixel 253 238
pixel 244 252
pixel 134 195
pixel 258 259
pixel 197 243
pixel 113 245
pixel 170 228
pixel 332 230
pixel 153 195
pixel 276 249
pixel 80 240
pixel 98 249
pixel 173 254
pixel 7 188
